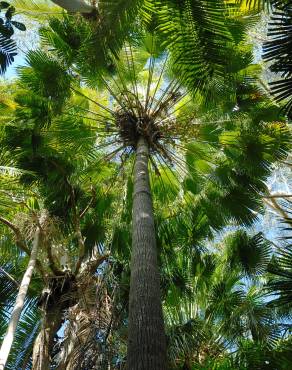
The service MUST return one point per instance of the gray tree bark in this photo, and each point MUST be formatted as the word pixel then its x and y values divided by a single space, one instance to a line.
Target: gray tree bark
pixel 18 307
pixel 146 337
pixel 74 6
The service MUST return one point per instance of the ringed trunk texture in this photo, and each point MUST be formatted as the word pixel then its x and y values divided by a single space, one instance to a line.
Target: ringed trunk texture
pixel 146 337
pixel 9 336
pixel 74 6
pixel 44 343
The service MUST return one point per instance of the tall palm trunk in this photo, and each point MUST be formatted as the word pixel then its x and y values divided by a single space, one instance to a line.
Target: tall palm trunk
pixel 9 336
pixel 146 337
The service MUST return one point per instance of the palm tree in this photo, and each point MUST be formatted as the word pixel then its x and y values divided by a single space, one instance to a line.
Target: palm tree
pixel 226 312
pixel 73 244
pixel 13 262
pixel 212 313
pixel 19 304
pixel 12 202
pixel 148 126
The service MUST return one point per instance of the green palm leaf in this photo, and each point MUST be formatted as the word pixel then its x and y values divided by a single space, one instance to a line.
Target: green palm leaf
pixel 250 253
pixel 7 53
pixel 278 51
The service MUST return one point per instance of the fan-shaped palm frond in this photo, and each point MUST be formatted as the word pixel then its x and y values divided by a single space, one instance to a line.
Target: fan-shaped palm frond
pixel 46 77
pixel 250 253
pixel 280 284
pixel 197 35
pixel 260 355
pixel 278 51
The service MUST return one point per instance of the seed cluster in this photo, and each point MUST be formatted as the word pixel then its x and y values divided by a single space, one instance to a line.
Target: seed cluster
pixel 131 127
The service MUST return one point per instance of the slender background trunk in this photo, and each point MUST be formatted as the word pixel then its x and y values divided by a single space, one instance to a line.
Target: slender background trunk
pixel 43 346
pixel 74 6
pixel 9 336
pixel 146 337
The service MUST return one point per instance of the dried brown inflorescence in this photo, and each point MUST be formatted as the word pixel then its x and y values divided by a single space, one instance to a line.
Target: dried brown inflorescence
pixel 131 127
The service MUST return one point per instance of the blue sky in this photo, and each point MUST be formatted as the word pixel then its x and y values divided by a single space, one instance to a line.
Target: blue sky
pixel 12 69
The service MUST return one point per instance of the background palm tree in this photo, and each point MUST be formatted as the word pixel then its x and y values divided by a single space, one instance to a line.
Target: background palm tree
pixel 75 247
